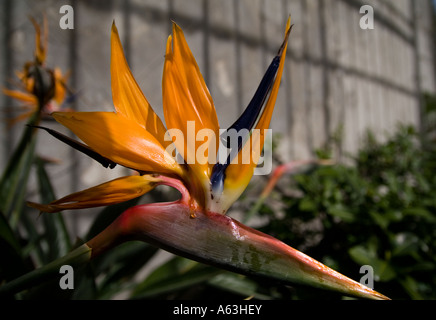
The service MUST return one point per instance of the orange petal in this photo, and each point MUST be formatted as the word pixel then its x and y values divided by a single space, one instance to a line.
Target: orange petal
pixel 60 86
pixel 188 106
pixel 239 172
pixel 40 44
pixel 120 140
pixel 21 117
pixel 22 96
pixel 128 97
pixel 105 194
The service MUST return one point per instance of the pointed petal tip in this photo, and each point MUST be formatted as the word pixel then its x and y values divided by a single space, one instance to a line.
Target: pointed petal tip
pixel 353 288
pixel 187 100
pixel 177 33
pixel 175 25
pixel 114 33
pixel 380 296
pixel 369 293
pixel 285 41
pixel 106 194
pixel 169 49
pixel 41 207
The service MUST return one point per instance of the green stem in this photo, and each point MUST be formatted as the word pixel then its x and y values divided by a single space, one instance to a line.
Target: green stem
pixel 75 258
pixel 14 179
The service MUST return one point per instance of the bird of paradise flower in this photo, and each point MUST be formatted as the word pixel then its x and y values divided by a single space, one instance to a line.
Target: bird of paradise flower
pixel 42 90
pixel 195 226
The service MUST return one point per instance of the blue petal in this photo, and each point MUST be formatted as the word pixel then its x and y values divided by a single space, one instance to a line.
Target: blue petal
pixel 247 121
pixel 250 115
pixel 217 178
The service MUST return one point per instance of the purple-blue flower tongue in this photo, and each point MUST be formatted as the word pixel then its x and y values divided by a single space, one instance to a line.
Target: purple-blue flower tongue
pixel 245 122
pixel 248 118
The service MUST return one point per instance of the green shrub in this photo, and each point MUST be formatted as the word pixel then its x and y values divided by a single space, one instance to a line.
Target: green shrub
pixel 379 212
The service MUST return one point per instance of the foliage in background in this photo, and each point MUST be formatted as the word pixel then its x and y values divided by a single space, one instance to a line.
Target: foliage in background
pixel 379 212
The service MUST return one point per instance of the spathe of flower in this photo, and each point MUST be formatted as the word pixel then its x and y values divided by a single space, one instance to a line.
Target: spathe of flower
pixel 221 241
pixel 194 226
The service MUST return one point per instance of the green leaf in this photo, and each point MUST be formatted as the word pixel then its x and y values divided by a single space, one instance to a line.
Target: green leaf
pixel 121 264
pixel 238 284
pixel 14 187
pixel 411 287
pixel 86 288
pixel 13 183
pixel 307 205
pixel 11 263
pixel 56 233
pixel 361 255
pixel 7 235
pixel 381 220
pixel 108 215
pixel 367 256
pixel 405 243
pixel 341 212
pixel 421 213
pixel 176 274
pixel 76 258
